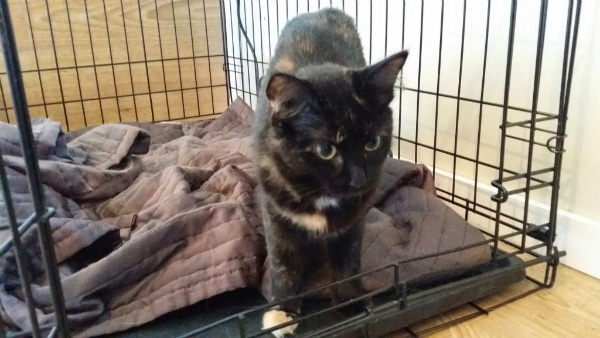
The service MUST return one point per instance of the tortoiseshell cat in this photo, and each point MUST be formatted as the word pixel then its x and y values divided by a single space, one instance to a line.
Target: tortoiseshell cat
pixel 322 132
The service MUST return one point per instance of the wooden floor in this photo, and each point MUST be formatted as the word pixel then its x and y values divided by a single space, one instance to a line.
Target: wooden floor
pixel 570 309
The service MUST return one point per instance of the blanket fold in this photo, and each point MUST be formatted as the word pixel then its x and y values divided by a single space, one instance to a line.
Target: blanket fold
pixel 151 218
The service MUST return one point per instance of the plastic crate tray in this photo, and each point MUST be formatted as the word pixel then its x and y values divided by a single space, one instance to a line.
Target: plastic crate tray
pixel 388 313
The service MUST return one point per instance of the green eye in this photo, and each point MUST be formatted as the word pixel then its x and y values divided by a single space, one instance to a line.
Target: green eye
pixel 325 151
pixel 373 144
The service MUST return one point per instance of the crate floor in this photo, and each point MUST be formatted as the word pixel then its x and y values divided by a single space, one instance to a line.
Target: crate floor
pixel 388 314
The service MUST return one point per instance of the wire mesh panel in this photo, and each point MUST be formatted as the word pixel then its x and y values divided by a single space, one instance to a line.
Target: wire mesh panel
pixel 40 215
pixel 482 99
pixel 85 63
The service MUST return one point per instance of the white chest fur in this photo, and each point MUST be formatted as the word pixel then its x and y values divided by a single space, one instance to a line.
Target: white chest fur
pixel 325 202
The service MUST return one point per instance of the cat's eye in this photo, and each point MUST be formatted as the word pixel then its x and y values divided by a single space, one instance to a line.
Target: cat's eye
pixel 373 144
pixel 325 151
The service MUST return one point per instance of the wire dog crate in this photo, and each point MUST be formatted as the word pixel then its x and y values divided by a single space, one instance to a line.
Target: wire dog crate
pixel 483 102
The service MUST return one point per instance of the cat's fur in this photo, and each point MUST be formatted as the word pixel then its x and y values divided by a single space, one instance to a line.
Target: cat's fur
pixel 318 90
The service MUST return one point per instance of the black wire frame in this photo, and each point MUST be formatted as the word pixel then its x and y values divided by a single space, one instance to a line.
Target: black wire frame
pixel 241 60
pixel 511 235
pixel 136 85
pixel 13 74
pixel 41 214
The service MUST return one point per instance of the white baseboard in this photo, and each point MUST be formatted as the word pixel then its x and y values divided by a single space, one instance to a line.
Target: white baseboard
pixel 577 235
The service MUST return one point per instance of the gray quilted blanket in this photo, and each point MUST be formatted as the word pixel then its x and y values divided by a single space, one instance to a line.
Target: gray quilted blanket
pixel 151 218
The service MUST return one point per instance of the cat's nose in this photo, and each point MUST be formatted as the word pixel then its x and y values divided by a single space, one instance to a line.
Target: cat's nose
pixel 358 178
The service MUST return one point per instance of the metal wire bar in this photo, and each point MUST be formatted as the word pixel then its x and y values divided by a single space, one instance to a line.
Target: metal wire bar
pixel 117 63
pixel 385 43
pixel 35 54
pixel 225 50
pixel 248 44
pixel 89 31
pixel 233 49
pixel 536 92
pixel 134 95
pixel 194 54
pixel 481 96
pixel 437 88
pixel 419 72
pixel 562 120
pixel 60 83
pixel 31 220
pixel 4 109
pixel 20 259
pixel 467 99
pixel 254 93
pixel 212 94
pixel 139 6
pixel 529 174
pixel 544 130
pixel 458 92
pixel 370 32
pixel 179 60
pixel 528 123
pixel 481 101
pixel 462 157
pixel 162 62
pixel 13 69
pixel 509 58
pixel 75 60
pixel 261 34
pixel 128 60
pixel 400 92
pixel 112 65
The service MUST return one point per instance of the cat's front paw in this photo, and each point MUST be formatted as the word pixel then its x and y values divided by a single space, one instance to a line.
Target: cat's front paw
pixel 276 317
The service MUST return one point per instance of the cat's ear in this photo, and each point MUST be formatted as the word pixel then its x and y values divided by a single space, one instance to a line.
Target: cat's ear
pixel 375 83
pixel 285 92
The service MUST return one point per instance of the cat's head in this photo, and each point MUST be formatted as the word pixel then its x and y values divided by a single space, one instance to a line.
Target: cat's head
pixel 331 126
